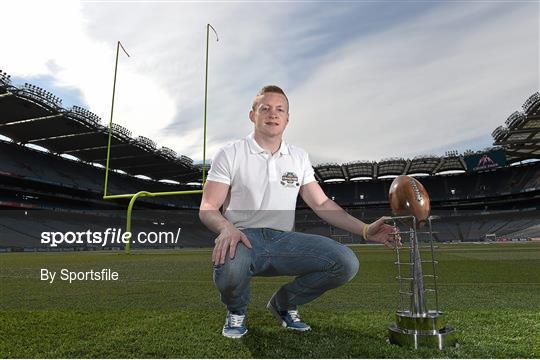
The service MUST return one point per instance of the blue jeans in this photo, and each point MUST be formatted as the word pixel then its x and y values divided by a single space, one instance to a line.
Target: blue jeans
pixel 319 264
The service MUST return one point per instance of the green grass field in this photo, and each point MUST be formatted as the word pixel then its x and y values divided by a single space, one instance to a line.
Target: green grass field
pixel 165 305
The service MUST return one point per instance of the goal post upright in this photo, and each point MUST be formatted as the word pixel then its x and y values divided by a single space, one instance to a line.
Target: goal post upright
pixel 142 193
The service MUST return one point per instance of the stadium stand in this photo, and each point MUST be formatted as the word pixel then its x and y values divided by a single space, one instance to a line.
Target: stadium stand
pixel 513 180
pixel 473 194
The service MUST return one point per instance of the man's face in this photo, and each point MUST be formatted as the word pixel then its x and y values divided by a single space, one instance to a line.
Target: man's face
pixel 271 114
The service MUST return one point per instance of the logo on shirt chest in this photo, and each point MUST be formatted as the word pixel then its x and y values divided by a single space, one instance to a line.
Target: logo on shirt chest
pixel 289 179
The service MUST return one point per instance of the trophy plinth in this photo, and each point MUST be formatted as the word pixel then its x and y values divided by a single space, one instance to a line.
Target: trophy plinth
pixel 426 331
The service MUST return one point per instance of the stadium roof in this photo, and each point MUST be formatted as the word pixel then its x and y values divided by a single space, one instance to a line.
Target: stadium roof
pixel 521 135
pixel 423 164
pixel 31 115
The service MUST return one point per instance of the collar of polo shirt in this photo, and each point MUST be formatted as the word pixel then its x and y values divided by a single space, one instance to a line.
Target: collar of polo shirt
pixel 255 148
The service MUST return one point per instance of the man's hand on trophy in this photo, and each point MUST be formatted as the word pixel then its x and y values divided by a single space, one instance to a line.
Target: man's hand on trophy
pixel 383 233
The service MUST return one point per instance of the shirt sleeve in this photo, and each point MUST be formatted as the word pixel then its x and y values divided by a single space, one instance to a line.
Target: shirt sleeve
pixel 220 169
pixel 309 173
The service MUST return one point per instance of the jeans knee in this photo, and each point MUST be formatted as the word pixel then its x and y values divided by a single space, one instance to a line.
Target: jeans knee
pixel 234 272
pixel 348 265
pixel 353 265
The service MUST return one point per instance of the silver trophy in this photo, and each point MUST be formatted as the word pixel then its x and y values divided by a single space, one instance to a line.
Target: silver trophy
pixel 417 326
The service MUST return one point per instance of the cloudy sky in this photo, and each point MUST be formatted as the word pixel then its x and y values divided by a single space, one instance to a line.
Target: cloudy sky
pixel 366 80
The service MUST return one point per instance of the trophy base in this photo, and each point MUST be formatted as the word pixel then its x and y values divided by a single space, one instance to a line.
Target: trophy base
pixel 427 331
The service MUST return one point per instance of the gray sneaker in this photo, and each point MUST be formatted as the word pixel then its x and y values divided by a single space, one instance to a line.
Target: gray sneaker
pixel 234 327
pixel 289 319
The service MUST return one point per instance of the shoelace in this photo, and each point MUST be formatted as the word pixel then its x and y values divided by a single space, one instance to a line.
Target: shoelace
pixel 236 320
pixel 295 317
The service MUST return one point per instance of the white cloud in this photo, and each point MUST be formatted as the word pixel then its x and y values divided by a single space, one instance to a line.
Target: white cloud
pixel 449 75
pixel 168 43
pixel 52 39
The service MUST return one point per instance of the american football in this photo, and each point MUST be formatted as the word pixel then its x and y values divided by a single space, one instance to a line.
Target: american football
pixel 408 196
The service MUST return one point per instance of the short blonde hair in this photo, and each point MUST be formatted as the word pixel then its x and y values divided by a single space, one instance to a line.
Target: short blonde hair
pixel 269 89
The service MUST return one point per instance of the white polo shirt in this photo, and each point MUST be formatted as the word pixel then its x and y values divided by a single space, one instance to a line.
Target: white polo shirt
pixel 263 187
